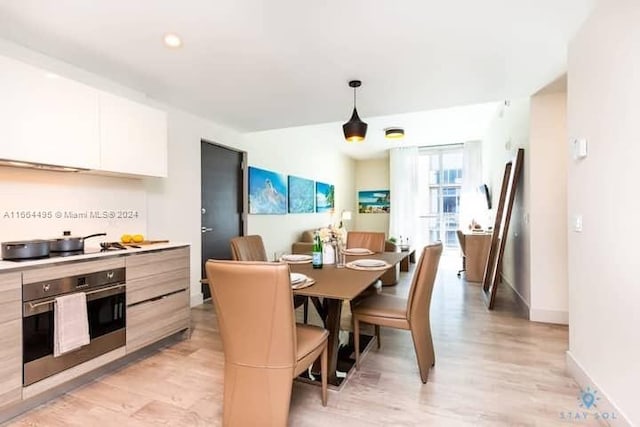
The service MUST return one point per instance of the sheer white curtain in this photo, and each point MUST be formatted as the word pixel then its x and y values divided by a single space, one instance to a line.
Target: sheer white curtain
pixel 403 183
pixel 473 205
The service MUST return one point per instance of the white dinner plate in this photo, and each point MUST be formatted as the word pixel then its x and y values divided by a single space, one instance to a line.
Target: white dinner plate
pixel 297 278
pixel 369 263
pixel 295 257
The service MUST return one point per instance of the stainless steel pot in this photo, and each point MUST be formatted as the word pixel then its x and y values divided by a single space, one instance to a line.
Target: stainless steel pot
pixel 26 249
pixel 67 243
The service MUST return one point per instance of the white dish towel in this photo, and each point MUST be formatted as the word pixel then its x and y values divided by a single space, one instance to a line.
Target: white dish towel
pixel 70 323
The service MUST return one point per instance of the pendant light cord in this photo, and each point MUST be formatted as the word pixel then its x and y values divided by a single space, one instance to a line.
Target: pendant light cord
pixel 354 98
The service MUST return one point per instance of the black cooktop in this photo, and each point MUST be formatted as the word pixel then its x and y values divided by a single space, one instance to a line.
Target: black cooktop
pixel 86 251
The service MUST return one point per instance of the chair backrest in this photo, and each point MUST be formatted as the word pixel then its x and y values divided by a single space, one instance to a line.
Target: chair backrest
pixel 422 284
pixel 254 305
pixel 460 235
pixel 248 248
pixel 372 240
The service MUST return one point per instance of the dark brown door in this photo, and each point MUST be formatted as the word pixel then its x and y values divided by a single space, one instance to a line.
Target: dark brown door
pixel 222 201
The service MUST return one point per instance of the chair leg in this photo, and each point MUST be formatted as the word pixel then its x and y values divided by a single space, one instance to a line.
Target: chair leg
pixel 323 374
pixel 356 340
pixel 305 307
pixel 425 354
pixel 377 329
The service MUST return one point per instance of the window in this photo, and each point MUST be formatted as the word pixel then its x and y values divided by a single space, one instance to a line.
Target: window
pixel 440 186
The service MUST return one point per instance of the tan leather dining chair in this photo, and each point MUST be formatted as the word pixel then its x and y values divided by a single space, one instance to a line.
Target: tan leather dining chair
pixel 248 248
pixel 411 313
pixel 251 248
pixel 372 240
pixel 264 348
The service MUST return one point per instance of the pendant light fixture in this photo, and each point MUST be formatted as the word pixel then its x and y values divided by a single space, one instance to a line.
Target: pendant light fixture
pixel 355 129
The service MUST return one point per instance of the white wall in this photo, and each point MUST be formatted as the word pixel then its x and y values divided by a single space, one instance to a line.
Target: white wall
pixel 548 208
pixel 604 107
pixel 371 175
pixel 508 131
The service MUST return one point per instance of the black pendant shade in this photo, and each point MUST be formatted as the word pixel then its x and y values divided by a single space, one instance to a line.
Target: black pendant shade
pixel 355 129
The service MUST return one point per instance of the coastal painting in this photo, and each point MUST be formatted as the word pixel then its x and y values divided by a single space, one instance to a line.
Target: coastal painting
pixel 301 195
pixel 267 192
pixel 324 197
pixel 374 201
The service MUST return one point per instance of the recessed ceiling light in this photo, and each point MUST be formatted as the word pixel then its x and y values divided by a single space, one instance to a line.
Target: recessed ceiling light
pixel 172 40
pixel 394 133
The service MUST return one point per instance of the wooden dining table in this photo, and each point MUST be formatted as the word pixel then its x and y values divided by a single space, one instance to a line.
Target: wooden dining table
pixel 334 285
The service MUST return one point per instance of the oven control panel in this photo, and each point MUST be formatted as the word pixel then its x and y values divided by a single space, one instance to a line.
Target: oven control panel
pixel 63 285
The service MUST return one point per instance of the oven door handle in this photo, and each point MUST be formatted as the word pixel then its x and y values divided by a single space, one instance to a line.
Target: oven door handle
pixel 51 301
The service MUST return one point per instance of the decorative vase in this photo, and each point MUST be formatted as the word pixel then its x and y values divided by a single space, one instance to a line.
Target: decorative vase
pixel 328 254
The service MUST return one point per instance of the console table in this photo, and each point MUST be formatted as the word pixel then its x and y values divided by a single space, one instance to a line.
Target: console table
pixel 476 251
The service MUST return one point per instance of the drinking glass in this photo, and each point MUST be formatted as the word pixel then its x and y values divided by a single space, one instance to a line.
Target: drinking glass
pixel 341 257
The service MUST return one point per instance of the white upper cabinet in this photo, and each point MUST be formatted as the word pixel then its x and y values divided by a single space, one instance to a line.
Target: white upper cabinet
pixel 133 137
pixel 45 118
pixel 49 119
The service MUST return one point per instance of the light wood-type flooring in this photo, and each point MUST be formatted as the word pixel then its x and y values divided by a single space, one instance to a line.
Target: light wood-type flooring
pixel 492 369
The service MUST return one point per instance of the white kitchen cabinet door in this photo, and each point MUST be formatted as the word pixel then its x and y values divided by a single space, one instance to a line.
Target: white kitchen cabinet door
pixel 133 137
pixel 46 118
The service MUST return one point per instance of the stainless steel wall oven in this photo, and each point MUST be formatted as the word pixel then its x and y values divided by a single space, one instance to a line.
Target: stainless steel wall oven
pixel 106 311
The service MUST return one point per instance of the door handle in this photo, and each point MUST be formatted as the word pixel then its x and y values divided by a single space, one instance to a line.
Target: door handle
pixel 206 229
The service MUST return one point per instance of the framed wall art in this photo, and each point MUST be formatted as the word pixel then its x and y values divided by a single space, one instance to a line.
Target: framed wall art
pixel 301 195
pixel 267 192
pixel 325 201
pixel 374 201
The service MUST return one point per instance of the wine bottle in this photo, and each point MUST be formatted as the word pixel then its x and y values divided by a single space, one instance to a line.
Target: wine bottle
pixel 317 251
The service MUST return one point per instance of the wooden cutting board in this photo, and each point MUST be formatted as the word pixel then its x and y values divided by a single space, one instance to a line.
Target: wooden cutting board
pixel 145 242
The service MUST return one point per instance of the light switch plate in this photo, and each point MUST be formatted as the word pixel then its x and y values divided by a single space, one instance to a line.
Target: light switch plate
pixel 577 223
pixel 579 148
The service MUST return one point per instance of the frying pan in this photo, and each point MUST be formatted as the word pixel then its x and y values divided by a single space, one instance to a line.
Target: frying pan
pixel 68 243
pixel 26 249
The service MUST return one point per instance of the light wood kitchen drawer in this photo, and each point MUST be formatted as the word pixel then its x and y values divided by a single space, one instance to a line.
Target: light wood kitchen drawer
pixel 146 264
pixel 149 287
pixel 10 362
pixel 151 321
pixel 69 269
pixel 10 297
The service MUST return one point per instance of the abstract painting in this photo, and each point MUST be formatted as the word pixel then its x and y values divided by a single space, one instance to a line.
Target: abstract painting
pixel 324 197
pixel 267 192
pixel 301 195
pixel 375 201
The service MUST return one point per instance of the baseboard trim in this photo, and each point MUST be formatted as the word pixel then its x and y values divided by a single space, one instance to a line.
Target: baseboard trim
pixel 605 405
pixel 549 316
pixel 523 305
pixel 196 299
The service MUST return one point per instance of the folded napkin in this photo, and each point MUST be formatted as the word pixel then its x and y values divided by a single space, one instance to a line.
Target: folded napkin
pixel 303 284
pixel 70 323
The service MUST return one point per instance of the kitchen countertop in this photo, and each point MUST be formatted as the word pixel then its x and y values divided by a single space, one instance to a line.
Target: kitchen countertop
pixel 6 266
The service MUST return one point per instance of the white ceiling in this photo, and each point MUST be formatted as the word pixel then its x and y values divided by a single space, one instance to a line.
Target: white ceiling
pixel 255 64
